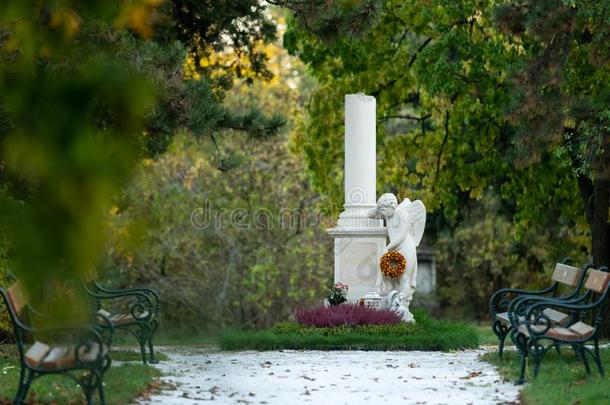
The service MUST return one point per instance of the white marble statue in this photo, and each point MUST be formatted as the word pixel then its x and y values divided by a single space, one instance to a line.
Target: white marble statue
pixel 405 223
pixel 396 302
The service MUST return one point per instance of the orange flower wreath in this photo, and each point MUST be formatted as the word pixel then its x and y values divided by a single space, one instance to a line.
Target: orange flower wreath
pixel 393 264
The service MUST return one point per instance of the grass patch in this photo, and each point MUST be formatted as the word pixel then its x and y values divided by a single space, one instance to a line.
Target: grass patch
pixel 488 337
pixel 562 378
pixel 133 355
pixel 426 334
pixel 122 383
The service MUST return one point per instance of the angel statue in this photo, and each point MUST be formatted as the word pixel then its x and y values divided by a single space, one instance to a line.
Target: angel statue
pixel 405 223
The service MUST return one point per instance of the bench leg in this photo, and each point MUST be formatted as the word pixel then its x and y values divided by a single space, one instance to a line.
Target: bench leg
pixel 21 384
pixel 538 353
pixel 142 337
pixel 24 387
pixel 598 359
pixel 101 393
pixel 583 354
pixel 576 351
pixel 501 332
pixel 87 386
pixel 151 350
pixel 521 379
pixel 143 351
pixel 521 342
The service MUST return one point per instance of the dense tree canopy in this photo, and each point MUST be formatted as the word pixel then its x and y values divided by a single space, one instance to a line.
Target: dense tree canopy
pixel 459 90
pixel 88 89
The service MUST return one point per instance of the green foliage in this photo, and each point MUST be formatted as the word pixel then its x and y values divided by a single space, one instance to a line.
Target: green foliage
pixel 336 293
pixel 485 253
pixel 261 253
pixel 74 115
pixel 562 378
pixel 222 250
pixel 445 75
pixel 88 89
pixel 295 328
pixel 240 27
pixel 332 19
pixel 426 334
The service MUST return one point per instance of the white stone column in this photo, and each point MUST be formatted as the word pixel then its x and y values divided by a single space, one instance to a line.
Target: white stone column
pixel 359 240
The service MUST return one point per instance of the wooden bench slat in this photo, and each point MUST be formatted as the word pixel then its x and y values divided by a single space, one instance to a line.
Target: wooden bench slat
pixel 597 281
pixel 556 317
pixel 49 358
pixel 567 275
pixel 574 332
pixel 35 354
pixel 17 297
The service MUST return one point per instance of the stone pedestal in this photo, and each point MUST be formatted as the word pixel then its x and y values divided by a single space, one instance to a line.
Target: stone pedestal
pixel 357 254
pixel 359 240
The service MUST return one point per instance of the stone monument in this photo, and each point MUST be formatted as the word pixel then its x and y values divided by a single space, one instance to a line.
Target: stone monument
pixel 359 240
pixel 360 235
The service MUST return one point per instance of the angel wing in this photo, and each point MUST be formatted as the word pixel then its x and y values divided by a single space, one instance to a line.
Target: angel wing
pixel 414 213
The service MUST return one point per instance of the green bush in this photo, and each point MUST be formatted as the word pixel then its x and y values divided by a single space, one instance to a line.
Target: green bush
pixel 486 252
pixel 425 334
pixel 251 272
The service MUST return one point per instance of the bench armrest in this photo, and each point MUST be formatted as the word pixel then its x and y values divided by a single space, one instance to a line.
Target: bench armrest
pixel 520 304
pixel 560 304
pixel 535 316
pixel 138 305
pixel 90 332
pixel 99 318
pixel 499 300
pixel 153 294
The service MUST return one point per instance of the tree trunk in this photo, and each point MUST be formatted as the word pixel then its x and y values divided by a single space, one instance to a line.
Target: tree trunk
pixel 600 239
pixel 596 198
pixel 600 228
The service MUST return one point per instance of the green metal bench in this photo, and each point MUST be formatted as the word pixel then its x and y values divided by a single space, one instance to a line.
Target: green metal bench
pixel 503 301
pixel 531 331
pixel 138 313
pixel 76 352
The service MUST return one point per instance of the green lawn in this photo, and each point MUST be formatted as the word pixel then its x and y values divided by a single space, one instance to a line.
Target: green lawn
pixel 123 383
pixel 562 379
pixel 425 334
pixel 134 355
pixel 487 337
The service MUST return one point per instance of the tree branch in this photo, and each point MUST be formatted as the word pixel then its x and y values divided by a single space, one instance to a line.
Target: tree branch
pixel 421 47
pixel 406 117
pixel 440 151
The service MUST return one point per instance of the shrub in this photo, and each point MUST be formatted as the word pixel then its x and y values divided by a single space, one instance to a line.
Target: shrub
pixel 425 334
pixel 251 273
pixel 337 294
pixel 485 252
pixel 346 315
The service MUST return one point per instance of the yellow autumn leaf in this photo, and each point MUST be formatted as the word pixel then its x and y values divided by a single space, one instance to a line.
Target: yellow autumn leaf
pixel 68 20
pixel 140 16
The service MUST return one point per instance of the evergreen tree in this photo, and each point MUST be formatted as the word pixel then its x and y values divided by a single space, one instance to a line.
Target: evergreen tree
pixel 89 88
pixel 561 96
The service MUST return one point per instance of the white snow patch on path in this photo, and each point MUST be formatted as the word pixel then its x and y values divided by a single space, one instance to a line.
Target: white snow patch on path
pixel 330 377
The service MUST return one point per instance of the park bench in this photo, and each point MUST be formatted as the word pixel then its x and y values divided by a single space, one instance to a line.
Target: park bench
pixel 587 318
pixel 503 301
pixel 134 310
pixel 78 352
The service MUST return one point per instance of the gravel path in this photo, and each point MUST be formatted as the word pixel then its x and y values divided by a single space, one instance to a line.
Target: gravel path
pixel 337 377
